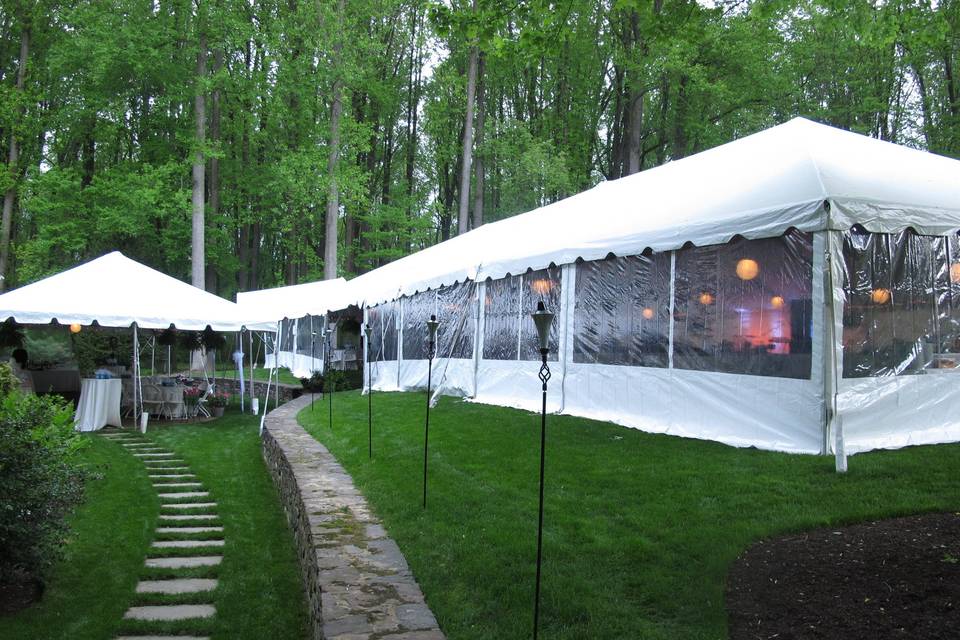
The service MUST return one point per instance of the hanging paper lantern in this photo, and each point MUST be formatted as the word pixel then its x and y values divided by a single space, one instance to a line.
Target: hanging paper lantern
pixel 706 299
pixel 776 302
pixel 747 269
pixel 648 313
pixel 880 296
pixel 75 328
pixel 955 273
pixel 541 286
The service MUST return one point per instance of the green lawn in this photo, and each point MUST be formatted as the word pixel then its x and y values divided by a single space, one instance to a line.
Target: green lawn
pixel 259 596
pixel 285 376
pixel 640 529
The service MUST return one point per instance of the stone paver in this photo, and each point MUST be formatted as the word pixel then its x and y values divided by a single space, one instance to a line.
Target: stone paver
pixel 167 485
pixel 165 454
pixel 189 529
pixel 185 544
pixel 188 505
pixel 188 518
pixel 172 476
pixel 357 581
pixel 183 563
pixel 176 586
pixel 184 494
pixel 171 612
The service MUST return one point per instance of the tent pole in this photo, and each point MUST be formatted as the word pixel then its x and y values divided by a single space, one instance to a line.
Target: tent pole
pixel 252 393
pixel 266 396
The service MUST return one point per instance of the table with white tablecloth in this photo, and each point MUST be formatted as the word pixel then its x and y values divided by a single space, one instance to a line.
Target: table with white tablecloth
pixel 99 404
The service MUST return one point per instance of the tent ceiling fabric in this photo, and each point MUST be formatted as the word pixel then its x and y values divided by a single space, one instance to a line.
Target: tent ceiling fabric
pixel 295 301
pixel 115 291
pixel 757 186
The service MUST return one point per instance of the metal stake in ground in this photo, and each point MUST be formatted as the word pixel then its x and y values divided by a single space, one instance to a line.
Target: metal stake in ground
pixel 328 371
pixel 432 326
pixel 313 357
pixel 368 330
pixel 543 319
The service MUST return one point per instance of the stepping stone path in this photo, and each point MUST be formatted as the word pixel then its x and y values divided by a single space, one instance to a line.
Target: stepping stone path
pixel 196 537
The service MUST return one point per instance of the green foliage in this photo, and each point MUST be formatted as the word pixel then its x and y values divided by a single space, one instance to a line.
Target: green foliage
pixel 574 92
pixel 95 347
pixel 40 481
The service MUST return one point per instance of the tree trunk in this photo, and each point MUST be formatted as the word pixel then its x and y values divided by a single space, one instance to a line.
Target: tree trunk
pixel 333 196
pixel 200 115
pixel 463 219
pixel 478 161
pixel 7 222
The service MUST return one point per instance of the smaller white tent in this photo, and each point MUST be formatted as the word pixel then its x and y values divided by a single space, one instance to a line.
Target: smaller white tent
pixel 115 291
pixel 297 312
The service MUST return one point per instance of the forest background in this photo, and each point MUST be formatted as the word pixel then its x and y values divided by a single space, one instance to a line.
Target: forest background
pixel 244 144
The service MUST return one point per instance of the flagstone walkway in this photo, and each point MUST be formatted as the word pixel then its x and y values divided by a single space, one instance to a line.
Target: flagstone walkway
pixel 179 574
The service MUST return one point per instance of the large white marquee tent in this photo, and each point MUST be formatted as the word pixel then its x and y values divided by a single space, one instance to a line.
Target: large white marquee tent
pixel 797 290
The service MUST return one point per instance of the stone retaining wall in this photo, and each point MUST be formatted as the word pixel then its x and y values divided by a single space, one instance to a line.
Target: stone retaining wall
pixel 357 581
pixel 287 391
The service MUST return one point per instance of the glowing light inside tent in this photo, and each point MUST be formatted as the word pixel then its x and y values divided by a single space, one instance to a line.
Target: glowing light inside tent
pixel 880 296
pixel 75 328
pixel 648 313
pixel 706 299
pixel 541 286
pixel 747 269
pixel 955 273
pixel 776 302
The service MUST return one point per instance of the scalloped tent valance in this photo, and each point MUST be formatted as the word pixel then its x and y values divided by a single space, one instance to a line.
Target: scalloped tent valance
pixel 115 291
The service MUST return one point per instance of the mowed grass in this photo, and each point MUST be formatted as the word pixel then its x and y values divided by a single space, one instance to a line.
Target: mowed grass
pixel 639 529
pixel 260 594
pixel 89 590
pixel 285 376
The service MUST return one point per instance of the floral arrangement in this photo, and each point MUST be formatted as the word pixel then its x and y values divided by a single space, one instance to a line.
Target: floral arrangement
pixel 219 399
pixel 191 395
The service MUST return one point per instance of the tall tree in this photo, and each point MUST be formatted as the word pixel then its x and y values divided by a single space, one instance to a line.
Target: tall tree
pixel 6 225
pixel 199 167
pixel 333 195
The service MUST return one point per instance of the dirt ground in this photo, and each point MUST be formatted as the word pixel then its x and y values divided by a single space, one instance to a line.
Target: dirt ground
pixel 896 578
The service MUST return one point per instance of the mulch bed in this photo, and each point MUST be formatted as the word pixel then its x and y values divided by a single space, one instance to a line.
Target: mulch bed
pixel 18 595
pixel 896 578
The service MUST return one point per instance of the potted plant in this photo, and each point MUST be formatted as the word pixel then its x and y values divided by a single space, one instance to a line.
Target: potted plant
pixel 191 398
pixel 218 402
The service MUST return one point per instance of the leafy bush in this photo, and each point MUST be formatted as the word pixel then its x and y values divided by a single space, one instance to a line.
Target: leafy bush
pixel 40 481
pixel 340 380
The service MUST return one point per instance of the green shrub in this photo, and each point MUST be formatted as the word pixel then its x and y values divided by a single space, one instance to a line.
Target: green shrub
pixel 339 380
pixel 39 481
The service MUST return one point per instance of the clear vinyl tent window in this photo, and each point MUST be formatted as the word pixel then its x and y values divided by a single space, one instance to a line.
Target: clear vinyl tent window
pixel 456 311
pixel 383 319
pixel 746 307
pixel 622 311
pixel 501 324
pixel 286 340
pixel 309 344
pixel 417 309
pixel 543 284
pixel 901 297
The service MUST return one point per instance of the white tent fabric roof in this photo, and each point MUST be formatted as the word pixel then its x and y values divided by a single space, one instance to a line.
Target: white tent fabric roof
pixel 115 291
pixel 758 186
pixel 295 301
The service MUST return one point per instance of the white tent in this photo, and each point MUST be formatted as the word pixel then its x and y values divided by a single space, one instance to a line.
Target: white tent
pixel 115 291
pixel 298 312
pixel 679 339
